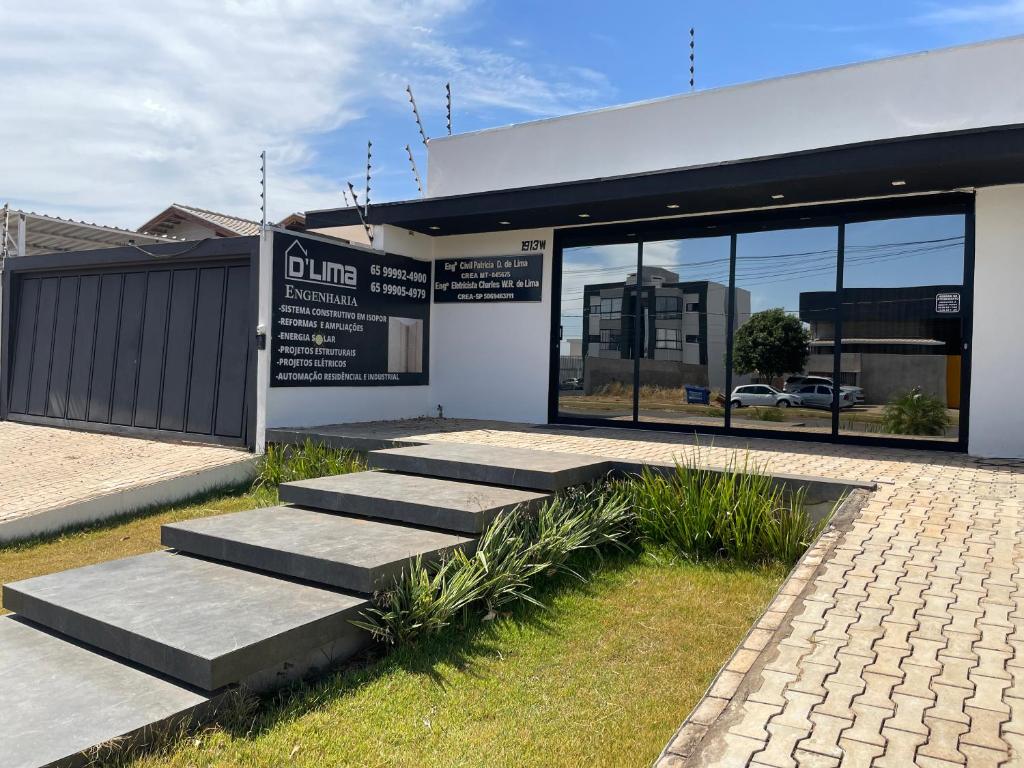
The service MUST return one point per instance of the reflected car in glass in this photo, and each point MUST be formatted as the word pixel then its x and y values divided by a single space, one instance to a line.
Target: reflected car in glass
pixel 762 394
pixel 794 384
pixel 820 396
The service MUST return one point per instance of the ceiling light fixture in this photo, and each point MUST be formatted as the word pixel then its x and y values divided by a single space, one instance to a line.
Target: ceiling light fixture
pixel 435 228
pixel 899 183
pixel 583 215
pixel 777 197
pixel 503 223
pixel 673 206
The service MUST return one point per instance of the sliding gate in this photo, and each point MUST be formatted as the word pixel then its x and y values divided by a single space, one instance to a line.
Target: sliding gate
pixel 155 342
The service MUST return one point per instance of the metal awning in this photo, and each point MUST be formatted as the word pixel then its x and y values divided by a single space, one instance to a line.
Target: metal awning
pixel 889 168
pixel 28 233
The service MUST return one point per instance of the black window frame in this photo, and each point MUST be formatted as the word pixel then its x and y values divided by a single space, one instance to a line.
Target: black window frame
pixel 798 217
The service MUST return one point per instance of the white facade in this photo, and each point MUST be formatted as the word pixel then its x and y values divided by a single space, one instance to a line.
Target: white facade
pixel 953 89
pixel 491 361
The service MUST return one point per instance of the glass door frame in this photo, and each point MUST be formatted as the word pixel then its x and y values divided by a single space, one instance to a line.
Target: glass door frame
pixel 732 225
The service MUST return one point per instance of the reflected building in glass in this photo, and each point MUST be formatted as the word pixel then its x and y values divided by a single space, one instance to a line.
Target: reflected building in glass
pixel 683 331
pixel 893 339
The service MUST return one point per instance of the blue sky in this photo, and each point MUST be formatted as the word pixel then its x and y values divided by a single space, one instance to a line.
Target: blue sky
pixel 127 112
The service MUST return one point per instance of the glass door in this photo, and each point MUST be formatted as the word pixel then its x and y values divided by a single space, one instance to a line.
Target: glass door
pixel 597 332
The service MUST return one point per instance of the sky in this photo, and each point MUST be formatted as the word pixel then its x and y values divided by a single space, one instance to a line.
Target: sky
pixel 113 110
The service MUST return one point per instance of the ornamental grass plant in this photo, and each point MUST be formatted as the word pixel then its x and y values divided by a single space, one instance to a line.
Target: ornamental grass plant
pixel 737 515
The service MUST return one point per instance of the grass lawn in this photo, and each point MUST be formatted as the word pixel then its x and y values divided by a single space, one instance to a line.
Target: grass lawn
pixel 114 538
pixel 602 677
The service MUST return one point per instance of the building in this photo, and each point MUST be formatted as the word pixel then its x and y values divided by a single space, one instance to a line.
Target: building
pixel 186 222
pixel 903 174
pixel 680 339
pixel 893 340
pixel 925 138
pixel 26 233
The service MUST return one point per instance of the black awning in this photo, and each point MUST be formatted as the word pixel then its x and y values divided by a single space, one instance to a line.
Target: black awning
pixel 938 162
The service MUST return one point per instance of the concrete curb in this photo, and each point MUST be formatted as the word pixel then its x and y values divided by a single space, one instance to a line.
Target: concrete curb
pixel 141 497
pixel 733 680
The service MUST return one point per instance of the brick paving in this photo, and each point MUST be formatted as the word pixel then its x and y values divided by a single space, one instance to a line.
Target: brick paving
pixel 42 468
pixel 905 646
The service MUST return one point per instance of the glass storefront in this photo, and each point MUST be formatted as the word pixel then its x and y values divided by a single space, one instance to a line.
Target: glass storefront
pixel 847 326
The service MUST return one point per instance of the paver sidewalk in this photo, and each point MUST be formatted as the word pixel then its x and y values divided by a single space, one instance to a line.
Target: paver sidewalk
pixel 907 648
pixel 43 469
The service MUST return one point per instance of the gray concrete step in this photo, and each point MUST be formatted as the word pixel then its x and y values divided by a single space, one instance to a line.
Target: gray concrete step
pixel 497 465
pixel 203 623
pixel 340 551
pixel 60 699
pixel 425 501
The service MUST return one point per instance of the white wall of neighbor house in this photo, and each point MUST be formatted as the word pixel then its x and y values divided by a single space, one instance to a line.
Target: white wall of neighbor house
pixel 953 89
pixel 997 363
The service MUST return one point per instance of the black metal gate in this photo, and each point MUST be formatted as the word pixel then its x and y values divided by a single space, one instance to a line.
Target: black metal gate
pixel 154 341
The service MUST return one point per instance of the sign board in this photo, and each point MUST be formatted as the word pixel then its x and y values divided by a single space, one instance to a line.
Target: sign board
pixel 489 279
pixel 947 303
pixel 343 316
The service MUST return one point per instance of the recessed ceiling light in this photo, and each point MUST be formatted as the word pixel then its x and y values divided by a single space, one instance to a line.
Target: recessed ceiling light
pixel 583 215
pixel 673 206
pixel 434 228
pixel 899 183
pixel 777 197
pixel 631 234
pixel 504 222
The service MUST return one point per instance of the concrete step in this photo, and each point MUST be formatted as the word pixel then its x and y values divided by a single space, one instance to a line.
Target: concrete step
pixel 60 699
pixel 200 622
pixel 497 465
pixel 425 501
pixel 340 551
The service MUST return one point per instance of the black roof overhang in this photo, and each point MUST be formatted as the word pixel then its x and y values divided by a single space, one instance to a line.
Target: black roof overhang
pixel 937 162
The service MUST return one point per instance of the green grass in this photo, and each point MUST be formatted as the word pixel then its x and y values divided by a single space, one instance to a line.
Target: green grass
pixel 600 677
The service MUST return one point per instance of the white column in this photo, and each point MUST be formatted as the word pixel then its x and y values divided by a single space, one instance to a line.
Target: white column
pixel 997 366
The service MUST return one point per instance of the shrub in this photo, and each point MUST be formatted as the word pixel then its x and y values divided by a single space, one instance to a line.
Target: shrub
pixel 286 463
pixel 515 549
pixel 700 513
pixel 733 513
pixel 915 413
pixel 768 414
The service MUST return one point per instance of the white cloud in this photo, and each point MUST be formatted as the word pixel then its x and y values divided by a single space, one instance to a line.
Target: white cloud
pixel 113 110
pixel 1011 10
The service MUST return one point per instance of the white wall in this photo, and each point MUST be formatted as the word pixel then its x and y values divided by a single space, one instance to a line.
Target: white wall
pixel 491 361
pixel 997 419
pixel 947 90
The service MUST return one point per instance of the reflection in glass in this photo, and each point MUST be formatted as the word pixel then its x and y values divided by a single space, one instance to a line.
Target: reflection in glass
pixel 598 332
pixel 683 330
pixel 902 328
pixel 778 383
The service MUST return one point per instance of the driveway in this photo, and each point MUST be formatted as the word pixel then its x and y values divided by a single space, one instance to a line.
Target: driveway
pixel 51 478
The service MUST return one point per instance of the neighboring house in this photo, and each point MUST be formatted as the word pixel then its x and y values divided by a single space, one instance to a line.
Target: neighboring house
pixel 184 222
pixel 296 222
pixel 26 233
